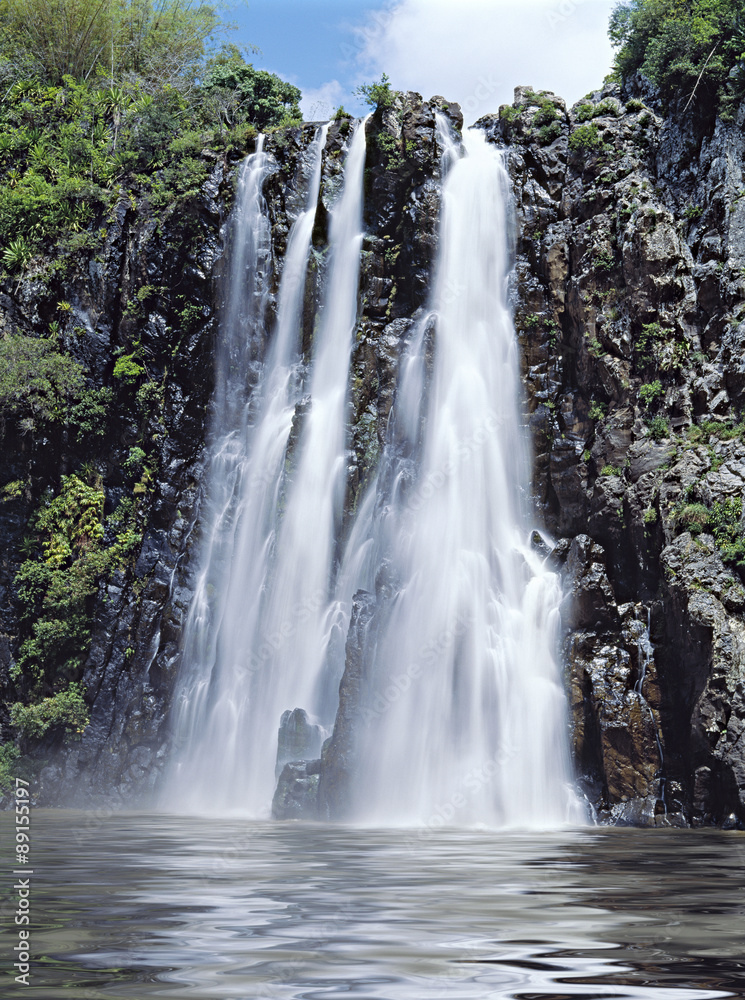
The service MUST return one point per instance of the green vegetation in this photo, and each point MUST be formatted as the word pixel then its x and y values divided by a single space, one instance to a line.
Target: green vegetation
pixel 585 138
pixel 597 410
pixel 604 261
pixel 650 392
pixel 658 428
pixel 722 519
pixel 379 95
pixel 159 40
pixel 9 753
pixel 37 382
pixel 723 431
pixel 586 111
pixel 611 470
pixel 727 528
pixel 128 369
pixel 65 710
pixel 645 342
pixel 120 92
pixel 545 123
pixel 58 580
pixel 693 51
pixel 649 516
pixel 248 94
pixel 693 517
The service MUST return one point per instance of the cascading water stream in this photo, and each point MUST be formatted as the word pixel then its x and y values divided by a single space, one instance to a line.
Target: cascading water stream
pixel 254 641
pixel 467 719
pixel 250 440
pixel 300 600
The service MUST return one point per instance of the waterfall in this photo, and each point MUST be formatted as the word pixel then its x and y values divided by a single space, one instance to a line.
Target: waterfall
pixel 466 721
pixel 256 637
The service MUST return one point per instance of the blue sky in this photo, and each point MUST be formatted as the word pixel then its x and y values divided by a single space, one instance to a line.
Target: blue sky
pixel 471 51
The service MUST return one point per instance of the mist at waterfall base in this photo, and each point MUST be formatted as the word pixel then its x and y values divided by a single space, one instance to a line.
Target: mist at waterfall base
pixel 441 537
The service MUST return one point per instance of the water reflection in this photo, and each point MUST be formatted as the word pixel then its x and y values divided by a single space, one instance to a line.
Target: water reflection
pixel 150 905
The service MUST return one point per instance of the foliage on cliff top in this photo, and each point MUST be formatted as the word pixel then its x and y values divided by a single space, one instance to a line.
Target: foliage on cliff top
pixel 65 150
pixel 692 50
pixel 377 95
pixel 162 41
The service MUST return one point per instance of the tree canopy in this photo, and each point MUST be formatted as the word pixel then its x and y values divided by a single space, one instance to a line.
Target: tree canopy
pixel 692 50
pixel 250 94
pixel 163 40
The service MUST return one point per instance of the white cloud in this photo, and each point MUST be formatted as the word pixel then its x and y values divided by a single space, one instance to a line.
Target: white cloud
pixel 320 103
pixel 477 51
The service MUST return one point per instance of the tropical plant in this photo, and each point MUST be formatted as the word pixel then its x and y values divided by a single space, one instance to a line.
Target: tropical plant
pixel 693 51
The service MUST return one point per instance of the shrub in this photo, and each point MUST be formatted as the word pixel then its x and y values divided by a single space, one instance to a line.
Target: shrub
pixel 604 261
pixel 693 517
pixel 650 392
pixel 597 410
pixel 250 94
pixel 723 431
pixel 36 380
pixel 548 133
pixel 689 50
pixel 9 753
pixel 610 470
pixel 727 528
pixel 377 95
pixel 658 428
pixel 585 138
pixel 133 462
pixel 128 369
pixel 17 254
pixel 161 40
pixel 65 710
pixel 57 582
pixel 586 111
pixel 90 415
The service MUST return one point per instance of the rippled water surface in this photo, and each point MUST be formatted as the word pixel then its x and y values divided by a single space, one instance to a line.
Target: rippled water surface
pixel 142 906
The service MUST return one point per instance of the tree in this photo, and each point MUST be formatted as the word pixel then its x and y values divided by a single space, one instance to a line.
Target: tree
pixel 377 95
pixel 163 40
pixel 690 49
pixel 250 94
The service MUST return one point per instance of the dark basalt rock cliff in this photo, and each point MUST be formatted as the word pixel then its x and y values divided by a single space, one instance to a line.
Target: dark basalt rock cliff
pixel 630 308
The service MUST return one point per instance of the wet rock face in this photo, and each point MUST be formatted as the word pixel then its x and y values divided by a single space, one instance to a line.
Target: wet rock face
pixel 630 313
pixel 338 791
pixel 296 796
pixel 159 283
pixel 629 296
pixel 299 739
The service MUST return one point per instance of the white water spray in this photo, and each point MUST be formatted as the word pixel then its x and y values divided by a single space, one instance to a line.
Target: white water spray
pixel 254 643
pixel 215 704
pixel 467 719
